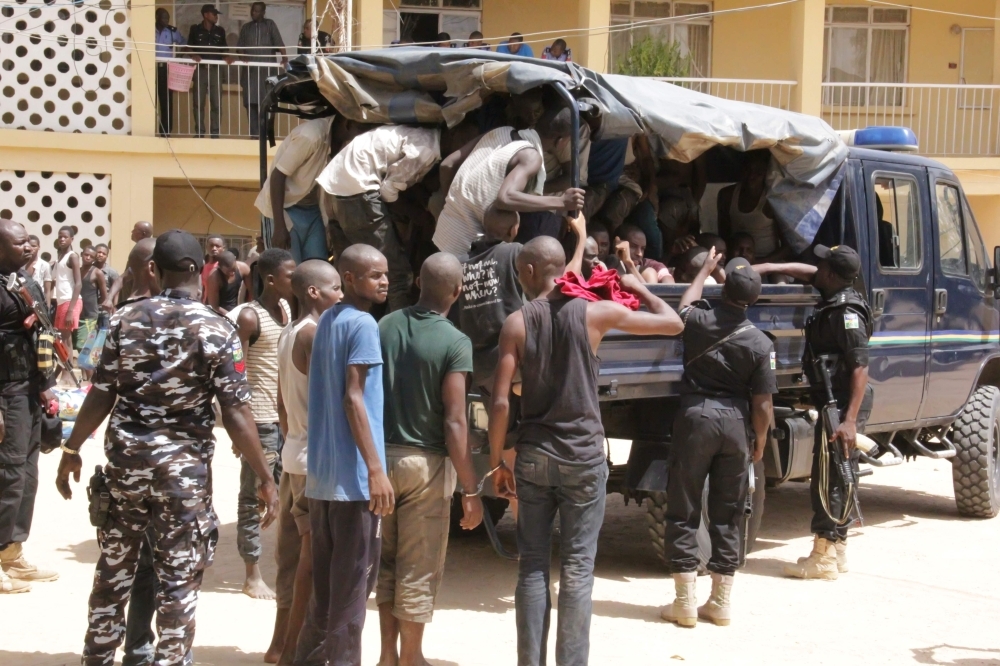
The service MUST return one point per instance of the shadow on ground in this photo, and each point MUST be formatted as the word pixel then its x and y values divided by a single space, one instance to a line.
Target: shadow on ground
pixel 957 656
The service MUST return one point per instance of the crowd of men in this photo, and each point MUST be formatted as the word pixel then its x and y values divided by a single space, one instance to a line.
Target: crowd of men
pixel 343 384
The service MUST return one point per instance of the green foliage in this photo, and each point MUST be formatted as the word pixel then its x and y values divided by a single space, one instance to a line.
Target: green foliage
pixel 654 57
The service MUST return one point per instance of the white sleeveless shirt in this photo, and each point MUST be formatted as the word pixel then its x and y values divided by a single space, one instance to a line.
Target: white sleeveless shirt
pixel 295 397
pixel 62 274
pixel 262 361
pixel 763 229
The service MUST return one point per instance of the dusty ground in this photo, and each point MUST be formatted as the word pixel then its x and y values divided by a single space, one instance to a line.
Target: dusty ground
pixel 924 588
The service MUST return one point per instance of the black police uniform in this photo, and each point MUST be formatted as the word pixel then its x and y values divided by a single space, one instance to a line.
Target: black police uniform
pixel 21 384
pixel 839 328
pixel 713 432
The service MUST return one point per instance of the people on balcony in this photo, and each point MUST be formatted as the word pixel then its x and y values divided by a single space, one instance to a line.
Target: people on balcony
pixel 206 46
pixel 259 41
pixel 516 46
pixel 167 37
pixel 324 42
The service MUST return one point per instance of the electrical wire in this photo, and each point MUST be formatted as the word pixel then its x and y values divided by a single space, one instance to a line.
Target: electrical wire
pixel 934 11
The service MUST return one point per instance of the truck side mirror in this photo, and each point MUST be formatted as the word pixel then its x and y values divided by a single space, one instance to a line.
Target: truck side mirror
pixel 995 273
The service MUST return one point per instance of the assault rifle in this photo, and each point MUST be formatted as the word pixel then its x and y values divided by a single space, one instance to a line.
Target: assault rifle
pixel 833 451
pixel 40 317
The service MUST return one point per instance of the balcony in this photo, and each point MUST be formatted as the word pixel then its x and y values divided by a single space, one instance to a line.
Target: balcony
pixel 756 91
pixel 209 98
pixel 949 120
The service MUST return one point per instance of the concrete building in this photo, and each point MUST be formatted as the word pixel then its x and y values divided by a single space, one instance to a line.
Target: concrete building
pixel 79 106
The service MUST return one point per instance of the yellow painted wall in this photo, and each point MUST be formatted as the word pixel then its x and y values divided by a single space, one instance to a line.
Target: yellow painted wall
pixel 987 212
pixel 176 206
pixel 753 44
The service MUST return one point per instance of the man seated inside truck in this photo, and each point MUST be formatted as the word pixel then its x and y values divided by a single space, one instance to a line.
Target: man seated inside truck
pixel 504 166
pixel 690 262
pixel 886 238
pixel 743 207
pixel 650 270
pixel 364 178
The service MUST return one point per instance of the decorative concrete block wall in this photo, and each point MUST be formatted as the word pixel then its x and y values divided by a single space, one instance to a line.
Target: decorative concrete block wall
pixel 65 66
pixel 43 201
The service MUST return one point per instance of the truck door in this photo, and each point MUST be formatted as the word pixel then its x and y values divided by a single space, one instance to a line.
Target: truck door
pixel 899 216
pixel 964 316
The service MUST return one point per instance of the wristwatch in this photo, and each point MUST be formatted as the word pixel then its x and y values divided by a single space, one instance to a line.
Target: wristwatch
pixel 66 449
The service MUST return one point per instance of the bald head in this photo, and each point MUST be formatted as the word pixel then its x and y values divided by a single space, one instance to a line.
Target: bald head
pixel 440 282
pixel 541 261
pixel 15 246
pixel 140 264
pixel 142 230
pixel 501 224
pixel 365 275
pixel 358 258
pixel 141 254
pixel 312 273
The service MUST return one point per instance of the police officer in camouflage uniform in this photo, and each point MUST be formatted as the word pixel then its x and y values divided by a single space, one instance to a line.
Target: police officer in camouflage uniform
pixel 22 390
pixel 165 360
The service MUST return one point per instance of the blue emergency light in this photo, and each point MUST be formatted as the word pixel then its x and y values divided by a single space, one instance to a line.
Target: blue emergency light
pixel 900 139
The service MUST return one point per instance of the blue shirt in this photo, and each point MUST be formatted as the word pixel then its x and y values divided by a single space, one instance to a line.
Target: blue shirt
pixel 337 472
pixel 524 51
pixel 165 40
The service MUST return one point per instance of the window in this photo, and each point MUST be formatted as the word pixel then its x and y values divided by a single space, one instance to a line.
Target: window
pixel 865 45
pixel 423 23
pixel 897 204
pixel 455 4
pixel 651 18
pixel 951 234
pixel 979 265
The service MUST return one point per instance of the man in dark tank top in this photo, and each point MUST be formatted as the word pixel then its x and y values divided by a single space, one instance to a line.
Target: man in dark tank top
pixel 223 288
pixel 560 464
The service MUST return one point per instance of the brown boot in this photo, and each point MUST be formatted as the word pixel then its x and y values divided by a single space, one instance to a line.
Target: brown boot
pixel 10 586
pixel 821 563
pixel 14 565
pixel 684 610
pixel 718 609
pixel 842 556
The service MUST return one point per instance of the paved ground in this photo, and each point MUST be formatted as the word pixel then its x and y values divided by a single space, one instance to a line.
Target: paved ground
pixel 924 588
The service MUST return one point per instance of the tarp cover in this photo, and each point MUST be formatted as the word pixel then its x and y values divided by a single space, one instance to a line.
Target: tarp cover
pixel 424 85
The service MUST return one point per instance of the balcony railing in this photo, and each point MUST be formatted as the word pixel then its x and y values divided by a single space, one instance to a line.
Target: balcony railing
pixel 217 101
pixel 756 91
pixel 949 120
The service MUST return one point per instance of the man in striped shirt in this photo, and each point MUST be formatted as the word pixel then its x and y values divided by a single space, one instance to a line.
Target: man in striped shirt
pixel 259 41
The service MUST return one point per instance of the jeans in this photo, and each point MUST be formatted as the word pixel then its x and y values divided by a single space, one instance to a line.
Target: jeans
pixel 164 100
pixel 19 465
pixel 248 506
pixel 308 234
pixel 210 86
pixel 544 486
pixel 140 640
pixel 364 218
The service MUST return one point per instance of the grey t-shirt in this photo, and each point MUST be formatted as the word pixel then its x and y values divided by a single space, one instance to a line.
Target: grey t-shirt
pixel 490 293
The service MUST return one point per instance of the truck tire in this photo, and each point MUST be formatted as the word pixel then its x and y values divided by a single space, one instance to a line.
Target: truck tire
pixel 495 505
pixel 975 469
pixel 656 508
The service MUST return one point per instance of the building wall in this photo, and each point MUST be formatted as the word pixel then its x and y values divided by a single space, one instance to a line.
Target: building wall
pixel 754 44
pixel 232 212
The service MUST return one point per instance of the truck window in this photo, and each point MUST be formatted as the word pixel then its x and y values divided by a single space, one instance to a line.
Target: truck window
pixel 897 204
pixel 951 232
pixel 978 262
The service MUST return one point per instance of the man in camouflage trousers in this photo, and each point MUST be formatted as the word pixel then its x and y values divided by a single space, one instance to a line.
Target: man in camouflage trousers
pixel 165 359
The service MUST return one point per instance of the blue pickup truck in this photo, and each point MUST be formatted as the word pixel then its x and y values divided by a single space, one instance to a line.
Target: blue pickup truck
pixel 935 357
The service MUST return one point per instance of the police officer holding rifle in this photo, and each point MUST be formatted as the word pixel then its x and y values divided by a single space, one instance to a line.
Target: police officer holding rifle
pixel 837 336
pixel 723 420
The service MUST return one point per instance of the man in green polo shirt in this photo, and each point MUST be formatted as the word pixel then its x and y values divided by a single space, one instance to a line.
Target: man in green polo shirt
pixel 426 363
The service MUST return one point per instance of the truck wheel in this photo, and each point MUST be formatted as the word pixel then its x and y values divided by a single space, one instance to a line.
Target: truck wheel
pixel 495 505
pixel 656 508
pixel 975 469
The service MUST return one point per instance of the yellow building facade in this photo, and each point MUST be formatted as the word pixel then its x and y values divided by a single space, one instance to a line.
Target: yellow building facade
pixel 79 100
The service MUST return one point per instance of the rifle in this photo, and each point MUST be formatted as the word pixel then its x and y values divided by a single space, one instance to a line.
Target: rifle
pixel 847 477
pixel 748 513
pixel 40 317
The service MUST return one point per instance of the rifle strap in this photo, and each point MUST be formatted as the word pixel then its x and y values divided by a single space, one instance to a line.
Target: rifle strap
pixel 713 347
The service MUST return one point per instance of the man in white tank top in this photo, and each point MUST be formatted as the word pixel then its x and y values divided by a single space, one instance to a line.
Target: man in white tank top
pixel 503 166
pixel 66 274
pixel 743 208
pixel 259 325
pixel 316 285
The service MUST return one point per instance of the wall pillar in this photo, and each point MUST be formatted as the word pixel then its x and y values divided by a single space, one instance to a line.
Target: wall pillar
pixel 807 33
pixel 131 201
pixel 368 14
pixel 996 45
pixel 593 47
pixel 142 18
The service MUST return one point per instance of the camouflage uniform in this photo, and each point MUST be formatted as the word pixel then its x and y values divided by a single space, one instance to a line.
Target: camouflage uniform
pixel 166 357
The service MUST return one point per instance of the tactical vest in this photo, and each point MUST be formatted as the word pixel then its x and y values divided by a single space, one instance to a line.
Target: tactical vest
pixel 843 298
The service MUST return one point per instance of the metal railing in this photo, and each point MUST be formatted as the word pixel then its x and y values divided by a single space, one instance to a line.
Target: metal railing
pixel 217 102
pixel 756 91
pixel 949 120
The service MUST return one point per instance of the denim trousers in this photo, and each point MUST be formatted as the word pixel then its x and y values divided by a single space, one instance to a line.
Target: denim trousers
pixel 248 506
pixel 544 486
pixel 308 233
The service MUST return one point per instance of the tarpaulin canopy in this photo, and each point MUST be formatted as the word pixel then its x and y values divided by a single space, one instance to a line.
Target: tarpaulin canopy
pixel 432 85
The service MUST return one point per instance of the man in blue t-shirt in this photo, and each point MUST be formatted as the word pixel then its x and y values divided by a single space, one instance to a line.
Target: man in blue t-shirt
pixel 516 46
pixel 346 485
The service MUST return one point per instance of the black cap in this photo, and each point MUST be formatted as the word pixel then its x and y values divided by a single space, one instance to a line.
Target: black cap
pixel 844 261
pixel 742 282
pixel 209 9
pixel 178 251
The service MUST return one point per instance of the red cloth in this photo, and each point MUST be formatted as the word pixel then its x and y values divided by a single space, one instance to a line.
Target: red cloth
pixel 604 285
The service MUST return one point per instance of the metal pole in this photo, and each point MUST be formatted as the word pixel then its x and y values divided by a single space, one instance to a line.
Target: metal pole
pixel 313 40
pixel 574 138
pixel 349 26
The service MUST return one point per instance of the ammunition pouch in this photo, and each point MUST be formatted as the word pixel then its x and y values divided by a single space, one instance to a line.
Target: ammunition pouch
pixel 99 497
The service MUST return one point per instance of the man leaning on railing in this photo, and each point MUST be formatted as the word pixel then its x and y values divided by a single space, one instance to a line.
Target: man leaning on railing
pixel 259 41
pixel 212 40
pixel 167 36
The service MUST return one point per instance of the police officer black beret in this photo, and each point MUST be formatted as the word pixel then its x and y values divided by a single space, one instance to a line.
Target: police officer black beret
pixel 844 261
pixel 178 251
pixel 742 282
